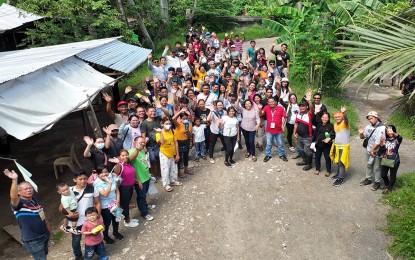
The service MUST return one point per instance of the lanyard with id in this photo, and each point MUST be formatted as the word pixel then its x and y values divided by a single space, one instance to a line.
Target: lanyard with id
pixel 40 212
pixel 272 124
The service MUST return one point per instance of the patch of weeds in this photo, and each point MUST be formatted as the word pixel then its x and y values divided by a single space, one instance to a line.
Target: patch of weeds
pixel 401 217
pixel 57 237
pixel 404 124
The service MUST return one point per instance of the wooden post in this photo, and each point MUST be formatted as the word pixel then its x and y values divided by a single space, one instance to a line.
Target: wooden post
pixel 93 120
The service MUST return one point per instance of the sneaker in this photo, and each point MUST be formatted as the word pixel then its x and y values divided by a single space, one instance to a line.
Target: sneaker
pixel 365 182
pixel 109 241
pixel 196 159
pixel 232 161
pixel 267 158
pixel 292 149
pixel 284 158
pixel 307 167
pixel 338 182
pixel 228 164
pixel 376 186
pixel 148 217
pixel 211 160
pixel 204 157
pixel 151 206
pixel 334 177
pixel 75 231
pixel 240 147
pixel 118 236
pixel 65 229
pixel 134 220
pixel 131 224
pixel 222 149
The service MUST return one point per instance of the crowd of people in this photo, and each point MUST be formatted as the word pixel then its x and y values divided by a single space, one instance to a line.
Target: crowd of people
pixel 202 91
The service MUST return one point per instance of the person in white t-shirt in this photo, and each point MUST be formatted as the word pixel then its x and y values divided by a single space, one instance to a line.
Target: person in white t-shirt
pixel 230 126
pixel 198 132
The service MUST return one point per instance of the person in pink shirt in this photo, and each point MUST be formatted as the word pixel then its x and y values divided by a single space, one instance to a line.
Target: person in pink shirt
pixel 276 118
pixel 91 229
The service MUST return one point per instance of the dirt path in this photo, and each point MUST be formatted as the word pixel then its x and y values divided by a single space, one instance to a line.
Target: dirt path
pixel 263 210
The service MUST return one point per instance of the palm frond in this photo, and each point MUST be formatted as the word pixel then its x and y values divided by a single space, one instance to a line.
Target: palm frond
pixel 385 49
pixel 275 26
pixel 287 10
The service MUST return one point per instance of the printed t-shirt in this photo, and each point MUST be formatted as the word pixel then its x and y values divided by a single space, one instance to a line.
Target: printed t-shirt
pixel 181 131
pixel 168 148
pixel 86 201
pixel 229 126
pixel 274 117
pixel 199 132
pixel 147 127
pixel 140 165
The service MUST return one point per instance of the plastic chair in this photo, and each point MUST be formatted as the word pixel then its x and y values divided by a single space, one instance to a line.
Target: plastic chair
pixel 71 161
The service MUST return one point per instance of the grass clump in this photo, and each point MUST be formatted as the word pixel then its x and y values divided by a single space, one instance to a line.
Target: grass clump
pixel 404 124
pixel 401 217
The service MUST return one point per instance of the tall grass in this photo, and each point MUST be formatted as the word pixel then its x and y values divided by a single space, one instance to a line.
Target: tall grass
pixel 404 124
pixel 401 217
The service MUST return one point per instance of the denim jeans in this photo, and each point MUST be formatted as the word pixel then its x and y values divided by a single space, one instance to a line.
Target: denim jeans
pixel 249 141
pixel 141 197
pixel 271 138
pixel 126 193
pixel 38 248
pixel 109 218
pixel 99 249
pixel 76 244
pixel 199 150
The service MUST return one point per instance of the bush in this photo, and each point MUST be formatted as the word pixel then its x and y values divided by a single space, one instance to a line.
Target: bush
pixel 401 217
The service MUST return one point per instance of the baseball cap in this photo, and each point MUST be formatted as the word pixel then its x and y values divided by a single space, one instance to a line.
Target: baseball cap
pixel 303 103
pixel 181 54
pixel 285 79
pixel 233 46
pixel 121 103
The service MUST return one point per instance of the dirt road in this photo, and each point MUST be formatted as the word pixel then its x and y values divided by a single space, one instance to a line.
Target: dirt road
pixel 260 210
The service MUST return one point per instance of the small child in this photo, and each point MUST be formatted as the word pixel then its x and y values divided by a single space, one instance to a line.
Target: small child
pixel 94 241
pixel 199 139
pixel 69 205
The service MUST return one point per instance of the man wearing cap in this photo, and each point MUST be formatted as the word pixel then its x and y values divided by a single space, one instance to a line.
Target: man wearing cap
pixel 184 64
pixel 172 60
pixel 374 131
pixel 113 144
pixel 234 53
pixel 122 107
pixel 340 150
pixel 303 131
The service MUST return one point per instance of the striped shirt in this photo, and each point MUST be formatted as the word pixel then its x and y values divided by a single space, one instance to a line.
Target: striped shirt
pixel 29 220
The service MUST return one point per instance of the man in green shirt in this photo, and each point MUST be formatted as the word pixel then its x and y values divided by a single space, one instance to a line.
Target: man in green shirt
pixel 139 161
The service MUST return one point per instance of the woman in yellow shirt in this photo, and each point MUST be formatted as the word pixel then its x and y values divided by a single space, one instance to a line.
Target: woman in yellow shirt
pixel 169 155
pixel 184 134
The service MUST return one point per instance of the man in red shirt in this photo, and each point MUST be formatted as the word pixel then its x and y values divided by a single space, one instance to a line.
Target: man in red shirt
pixel 276 118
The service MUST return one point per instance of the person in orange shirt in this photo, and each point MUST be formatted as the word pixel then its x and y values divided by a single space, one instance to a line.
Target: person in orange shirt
pixel 184 140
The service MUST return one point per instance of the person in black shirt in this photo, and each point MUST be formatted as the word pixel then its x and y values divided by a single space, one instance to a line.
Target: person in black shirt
pixel 408 84
pixel 322 139
pixel 282 68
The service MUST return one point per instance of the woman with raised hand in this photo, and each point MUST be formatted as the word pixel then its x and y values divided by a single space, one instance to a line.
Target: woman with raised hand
pixel 323 139
pixel 389 151
pixel 129 131
pixel 215 118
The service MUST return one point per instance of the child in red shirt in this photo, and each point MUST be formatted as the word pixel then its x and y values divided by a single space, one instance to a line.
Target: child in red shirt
pixel 93 237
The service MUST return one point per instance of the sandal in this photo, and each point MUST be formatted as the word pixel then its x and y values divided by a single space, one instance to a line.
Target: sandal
pixel 190 173
pixel 247 155
pixel 327 174
pixel 182 176
pixel 317 172
pixel 168 188
pixel 176 183
pixel 204 157
pixel 254 159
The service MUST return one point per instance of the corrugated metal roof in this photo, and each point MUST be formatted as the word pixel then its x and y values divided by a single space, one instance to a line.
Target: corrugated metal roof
pixel 116 55
pixel 14 64
pixel 12 17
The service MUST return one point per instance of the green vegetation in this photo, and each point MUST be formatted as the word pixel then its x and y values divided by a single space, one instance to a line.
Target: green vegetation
pixel 401 218
pixel 403 123
pixel 58 236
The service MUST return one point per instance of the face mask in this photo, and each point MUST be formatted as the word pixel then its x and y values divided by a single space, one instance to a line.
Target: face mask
pixel 100 146
pixel 114 135
pixel 167 127
pixel 185 121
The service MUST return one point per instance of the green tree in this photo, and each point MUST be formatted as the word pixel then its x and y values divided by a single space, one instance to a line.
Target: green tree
pixel 72 20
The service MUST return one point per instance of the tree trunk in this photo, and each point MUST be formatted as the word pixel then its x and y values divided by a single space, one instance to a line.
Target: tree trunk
pixel 190 14
pixel 164 10
pixel 299 5
pixel 142 26
pixel 122 12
